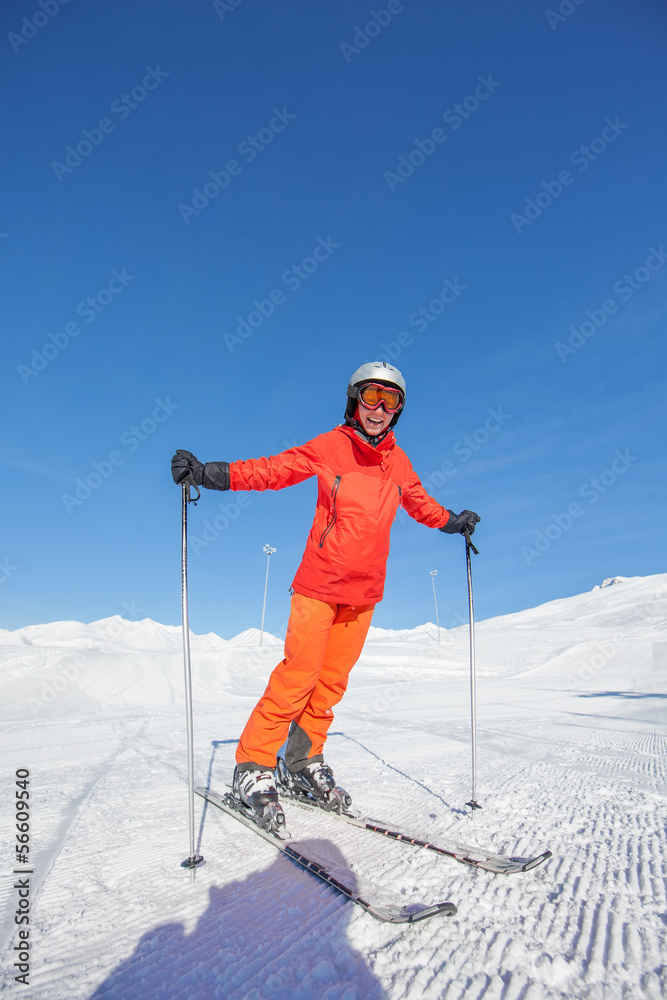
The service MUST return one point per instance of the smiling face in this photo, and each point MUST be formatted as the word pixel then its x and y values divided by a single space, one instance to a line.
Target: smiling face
pixel 373 421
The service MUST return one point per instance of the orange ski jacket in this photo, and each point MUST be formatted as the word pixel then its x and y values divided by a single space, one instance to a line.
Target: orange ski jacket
pixel 360 490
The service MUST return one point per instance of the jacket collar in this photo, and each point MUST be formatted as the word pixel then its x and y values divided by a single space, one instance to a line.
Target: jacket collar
pixel 362 441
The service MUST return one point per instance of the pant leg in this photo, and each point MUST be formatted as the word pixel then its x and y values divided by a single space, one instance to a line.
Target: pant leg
pixel 291 683
pixel 346 639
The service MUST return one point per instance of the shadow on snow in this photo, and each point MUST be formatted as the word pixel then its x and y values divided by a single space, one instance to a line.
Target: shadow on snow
pixel 279 932
pixel 621 694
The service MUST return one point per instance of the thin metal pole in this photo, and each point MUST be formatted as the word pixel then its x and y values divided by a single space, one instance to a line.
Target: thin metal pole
pixel 434 573
pixel 474 804
pixel 269 552
pixel 194 859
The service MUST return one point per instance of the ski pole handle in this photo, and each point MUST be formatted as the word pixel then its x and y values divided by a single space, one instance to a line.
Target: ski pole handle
pixel 469 542
pixel 188 486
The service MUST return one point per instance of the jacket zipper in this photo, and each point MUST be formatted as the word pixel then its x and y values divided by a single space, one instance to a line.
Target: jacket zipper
pixel 332 521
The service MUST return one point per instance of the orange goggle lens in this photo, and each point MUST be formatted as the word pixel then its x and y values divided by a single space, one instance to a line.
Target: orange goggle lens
pixel 373 395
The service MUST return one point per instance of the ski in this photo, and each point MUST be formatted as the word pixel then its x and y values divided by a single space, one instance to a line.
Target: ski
pixel 475 857
pixel 363 892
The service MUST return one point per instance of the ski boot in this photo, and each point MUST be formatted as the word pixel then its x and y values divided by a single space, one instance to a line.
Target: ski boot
pixel 315 783
pixel 255 790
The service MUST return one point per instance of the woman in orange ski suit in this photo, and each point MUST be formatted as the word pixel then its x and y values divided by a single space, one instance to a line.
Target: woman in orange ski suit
pixel 362 480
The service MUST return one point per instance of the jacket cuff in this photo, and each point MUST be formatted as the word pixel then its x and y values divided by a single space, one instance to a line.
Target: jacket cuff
pixel 216 476
pixel 448 526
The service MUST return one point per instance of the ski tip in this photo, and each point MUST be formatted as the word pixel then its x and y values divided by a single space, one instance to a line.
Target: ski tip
pixel 409 914
pixel 540 858
pixel 444 909
pixel 537 860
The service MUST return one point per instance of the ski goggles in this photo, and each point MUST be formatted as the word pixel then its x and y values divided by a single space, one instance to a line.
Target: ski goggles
pixel 373 395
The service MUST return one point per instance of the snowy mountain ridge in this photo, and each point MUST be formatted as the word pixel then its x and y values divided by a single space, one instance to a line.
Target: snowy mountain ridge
pixel 147 634
pixel 117 665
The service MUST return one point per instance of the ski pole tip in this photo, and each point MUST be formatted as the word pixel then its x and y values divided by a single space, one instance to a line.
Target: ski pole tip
pixel 193 862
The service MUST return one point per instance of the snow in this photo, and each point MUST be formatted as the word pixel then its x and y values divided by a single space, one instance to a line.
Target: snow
pixel 571 756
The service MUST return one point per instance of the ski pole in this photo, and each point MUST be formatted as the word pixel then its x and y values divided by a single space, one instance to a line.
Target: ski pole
pixel 194 859
pixel 474 804
pixel 434 573
pixel 269 552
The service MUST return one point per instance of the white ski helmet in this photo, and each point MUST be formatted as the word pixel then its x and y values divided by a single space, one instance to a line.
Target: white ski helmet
pixel 373 371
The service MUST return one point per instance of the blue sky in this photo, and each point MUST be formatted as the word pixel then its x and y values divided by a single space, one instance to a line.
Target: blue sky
pixel 212 213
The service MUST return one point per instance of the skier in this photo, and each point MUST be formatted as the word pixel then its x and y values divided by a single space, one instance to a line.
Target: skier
pixel 363 477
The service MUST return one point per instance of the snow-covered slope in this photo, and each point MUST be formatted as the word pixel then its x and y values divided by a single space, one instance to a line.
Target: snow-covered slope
pixel 113 665
pixel 572 735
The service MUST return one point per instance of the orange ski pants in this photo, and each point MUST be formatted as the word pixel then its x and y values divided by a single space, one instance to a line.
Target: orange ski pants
pixel 322 644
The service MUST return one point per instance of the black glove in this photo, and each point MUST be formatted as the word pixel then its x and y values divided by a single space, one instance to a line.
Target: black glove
pixel 185 468
pixel 458 523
